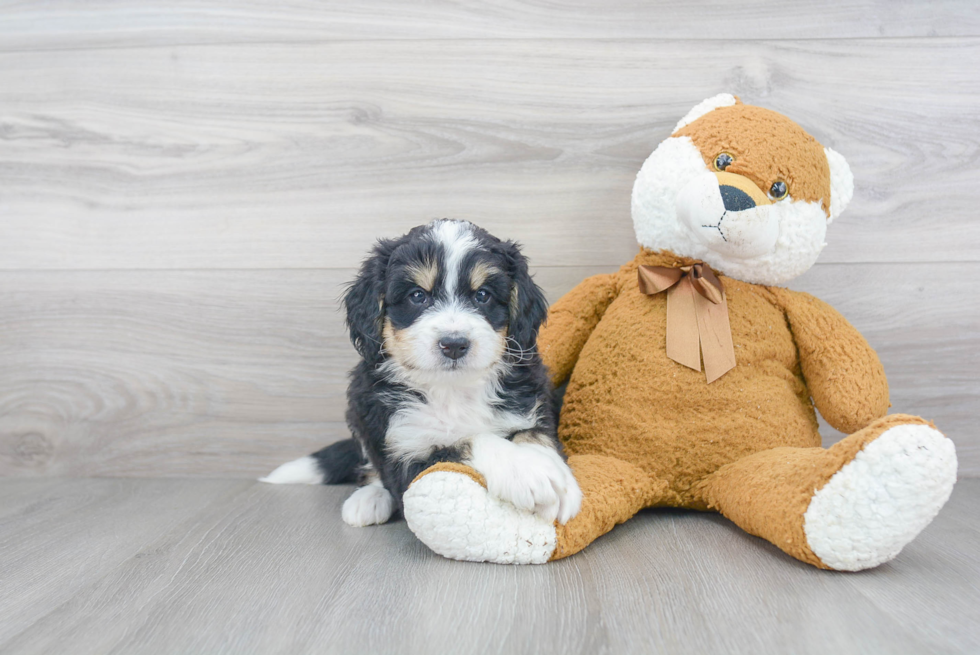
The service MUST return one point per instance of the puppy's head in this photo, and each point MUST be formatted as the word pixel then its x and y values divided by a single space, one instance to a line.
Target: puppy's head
pixel 446 297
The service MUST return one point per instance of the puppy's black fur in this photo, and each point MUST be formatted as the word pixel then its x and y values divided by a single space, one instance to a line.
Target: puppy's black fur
pixel 384 290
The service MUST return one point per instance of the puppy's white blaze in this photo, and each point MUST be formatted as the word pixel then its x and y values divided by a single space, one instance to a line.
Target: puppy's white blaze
pixel 457 239
pixel 299 471
pixel 369 505
pixel 529 476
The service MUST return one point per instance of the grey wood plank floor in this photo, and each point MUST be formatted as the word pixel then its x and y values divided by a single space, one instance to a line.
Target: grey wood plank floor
pixel 234 566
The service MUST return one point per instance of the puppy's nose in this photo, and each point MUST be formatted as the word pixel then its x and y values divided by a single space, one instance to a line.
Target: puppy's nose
pixel 735 200
pixel 454 347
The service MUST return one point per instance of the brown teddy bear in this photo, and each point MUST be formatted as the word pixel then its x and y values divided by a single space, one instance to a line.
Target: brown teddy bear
pixel 736 201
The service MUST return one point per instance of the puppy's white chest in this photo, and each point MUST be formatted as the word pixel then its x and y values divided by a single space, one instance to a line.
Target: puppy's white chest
pixel 448 416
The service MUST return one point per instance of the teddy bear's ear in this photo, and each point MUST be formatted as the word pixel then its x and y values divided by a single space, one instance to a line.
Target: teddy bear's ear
pixel 703 107
pixel 841 183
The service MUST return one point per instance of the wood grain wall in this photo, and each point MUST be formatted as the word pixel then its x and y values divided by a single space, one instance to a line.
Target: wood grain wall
pixel 185 188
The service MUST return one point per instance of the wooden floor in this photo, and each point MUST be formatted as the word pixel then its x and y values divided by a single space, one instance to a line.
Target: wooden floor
pixel 235 566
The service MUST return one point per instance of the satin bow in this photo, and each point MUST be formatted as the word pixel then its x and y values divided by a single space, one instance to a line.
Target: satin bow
pixel 697 316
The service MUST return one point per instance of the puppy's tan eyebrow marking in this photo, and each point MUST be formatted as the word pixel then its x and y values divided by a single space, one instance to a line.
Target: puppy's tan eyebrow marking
pixel 481 271
pixel 424 274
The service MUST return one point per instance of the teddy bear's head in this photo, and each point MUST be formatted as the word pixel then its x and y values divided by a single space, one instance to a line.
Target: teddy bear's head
pixel 742 188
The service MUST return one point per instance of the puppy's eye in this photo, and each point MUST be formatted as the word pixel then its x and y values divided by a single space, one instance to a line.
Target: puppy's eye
pixel 778 190
pixel 723 161
pixel 482 296
pixel 418 297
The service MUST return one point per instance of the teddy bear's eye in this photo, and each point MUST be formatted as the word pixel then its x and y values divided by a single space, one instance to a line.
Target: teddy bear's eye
pixel 723 161
pixel 778 190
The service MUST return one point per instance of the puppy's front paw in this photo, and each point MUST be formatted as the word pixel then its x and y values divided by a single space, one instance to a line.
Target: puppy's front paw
pixel 529 476
pixel 368 505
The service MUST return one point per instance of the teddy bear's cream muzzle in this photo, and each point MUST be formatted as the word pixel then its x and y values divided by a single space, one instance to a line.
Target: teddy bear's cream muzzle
pixel 729 214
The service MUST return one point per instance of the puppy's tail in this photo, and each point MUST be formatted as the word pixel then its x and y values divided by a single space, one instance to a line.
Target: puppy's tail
pixel 337 463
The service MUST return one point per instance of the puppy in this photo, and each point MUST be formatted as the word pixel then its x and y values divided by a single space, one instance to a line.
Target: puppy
pixel 445 320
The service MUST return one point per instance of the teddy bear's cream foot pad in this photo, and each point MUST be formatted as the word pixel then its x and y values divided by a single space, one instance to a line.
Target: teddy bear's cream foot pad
pixel 882 499
pixel 456 517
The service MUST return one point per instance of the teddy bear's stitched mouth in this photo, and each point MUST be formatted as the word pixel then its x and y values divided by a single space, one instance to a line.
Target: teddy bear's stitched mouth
pixel 717 226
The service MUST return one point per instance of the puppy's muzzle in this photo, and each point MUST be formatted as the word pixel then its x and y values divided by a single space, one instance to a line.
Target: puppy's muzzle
pixel 454 346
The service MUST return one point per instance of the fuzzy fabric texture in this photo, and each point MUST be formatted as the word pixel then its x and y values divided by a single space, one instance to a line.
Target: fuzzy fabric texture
pixel 448 508
pixel 844 376
pixel 612 492
pixel 841 183
pixel 703 107
pixel 774 149
pixel 642 430
pixel 768 244
pixel 628 400
pixel 879 501
pixel 768 493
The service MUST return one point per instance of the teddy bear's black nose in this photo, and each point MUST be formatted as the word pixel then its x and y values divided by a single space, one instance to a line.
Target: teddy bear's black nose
pixel 735 200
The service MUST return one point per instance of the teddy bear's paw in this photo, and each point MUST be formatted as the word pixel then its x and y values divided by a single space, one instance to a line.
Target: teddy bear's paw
pixel 457 518
pixel 877 503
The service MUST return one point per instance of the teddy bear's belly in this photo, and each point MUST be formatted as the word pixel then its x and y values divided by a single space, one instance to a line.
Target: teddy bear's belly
pixel 627 399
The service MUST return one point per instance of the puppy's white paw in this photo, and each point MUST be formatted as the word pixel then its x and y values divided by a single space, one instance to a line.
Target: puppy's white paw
pixel 529 476
pixel 368 505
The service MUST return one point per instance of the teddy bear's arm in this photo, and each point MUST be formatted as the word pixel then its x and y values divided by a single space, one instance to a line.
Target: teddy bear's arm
pixel 843 372
pixel 570 322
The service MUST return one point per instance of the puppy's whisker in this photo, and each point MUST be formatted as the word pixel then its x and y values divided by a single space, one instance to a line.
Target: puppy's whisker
pixel 517 351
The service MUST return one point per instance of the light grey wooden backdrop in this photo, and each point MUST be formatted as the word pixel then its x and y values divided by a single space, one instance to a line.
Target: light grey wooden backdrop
pixel 185 187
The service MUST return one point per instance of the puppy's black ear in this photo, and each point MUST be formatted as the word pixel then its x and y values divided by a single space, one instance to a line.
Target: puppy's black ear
pixel 364 302
pixel 528 306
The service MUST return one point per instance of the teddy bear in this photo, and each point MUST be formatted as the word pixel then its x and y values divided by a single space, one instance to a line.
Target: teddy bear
pixel 693 377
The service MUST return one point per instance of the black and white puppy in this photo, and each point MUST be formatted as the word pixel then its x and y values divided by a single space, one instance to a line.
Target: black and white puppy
pixel 445 320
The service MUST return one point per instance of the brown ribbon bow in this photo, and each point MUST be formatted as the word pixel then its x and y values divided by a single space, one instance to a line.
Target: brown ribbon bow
pixel 697 315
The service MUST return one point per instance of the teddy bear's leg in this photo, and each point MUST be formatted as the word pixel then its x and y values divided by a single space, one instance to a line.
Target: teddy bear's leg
pixel 449 509
pixel 850 507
